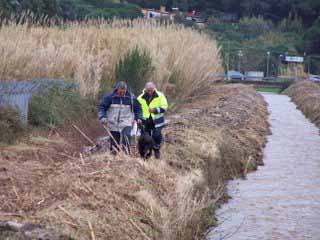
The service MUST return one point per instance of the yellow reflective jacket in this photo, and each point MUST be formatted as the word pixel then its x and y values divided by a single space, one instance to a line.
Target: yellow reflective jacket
pixel 157 101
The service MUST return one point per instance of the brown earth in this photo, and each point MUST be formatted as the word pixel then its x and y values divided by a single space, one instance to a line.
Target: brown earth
pixel 207 141
pixel 306 95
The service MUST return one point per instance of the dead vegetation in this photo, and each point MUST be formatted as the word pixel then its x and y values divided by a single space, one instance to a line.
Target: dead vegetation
pixel 106 197
pixel 88 53
pixel 306 95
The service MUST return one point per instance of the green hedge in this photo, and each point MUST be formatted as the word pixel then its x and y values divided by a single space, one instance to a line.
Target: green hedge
pixel 57 106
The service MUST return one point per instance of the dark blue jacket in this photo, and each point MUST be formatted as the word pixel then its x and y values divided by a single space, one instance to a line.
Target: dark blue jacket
pixel 114 99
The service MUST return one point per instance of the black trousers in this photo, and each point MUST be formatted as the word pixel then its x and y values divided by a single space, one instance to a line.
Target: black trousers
pixel 122 139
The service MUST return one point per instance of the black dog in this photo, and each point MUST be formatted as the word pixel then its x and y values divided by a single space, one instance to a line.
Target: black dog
pixel 145 143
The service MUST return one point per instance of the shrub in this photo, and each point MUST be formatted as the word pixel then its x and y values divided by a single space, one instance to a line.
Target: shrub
pixel 135 68
pixel 58 105
pixel 11 125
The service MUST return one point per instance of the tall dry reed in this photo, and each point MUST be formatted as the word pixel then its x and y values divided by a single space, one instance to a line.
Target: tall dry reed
pixel 87 52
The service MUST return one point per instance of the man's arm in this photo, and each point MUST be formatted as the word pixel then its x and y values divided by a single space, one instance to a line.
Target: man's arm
pixel 103 107
pixel 137 109
pixel 163 105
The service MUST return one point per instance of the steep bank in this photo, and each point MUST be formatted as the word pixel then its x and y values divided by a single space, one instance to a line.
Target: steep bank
pixel 208 141
pixel 306 95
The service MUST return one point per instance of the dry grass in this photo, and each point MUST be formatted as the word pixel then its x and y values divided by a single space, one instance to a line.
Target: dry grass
pixel 88 52
pixel 127 198
pixel 306 96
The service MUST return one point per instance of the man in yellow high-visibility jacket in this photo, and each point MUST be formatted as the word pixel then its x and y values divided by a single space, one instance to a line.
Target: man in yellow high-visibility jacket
pixel 154 104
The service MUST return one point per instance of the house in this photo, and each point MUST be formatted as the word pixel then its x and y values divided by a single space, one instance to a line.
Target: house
pixel 161 13
pixel 199 20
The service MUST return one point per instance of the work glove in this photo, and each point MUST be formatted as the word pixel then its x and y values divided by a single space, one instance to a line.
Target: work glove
pixel 104 121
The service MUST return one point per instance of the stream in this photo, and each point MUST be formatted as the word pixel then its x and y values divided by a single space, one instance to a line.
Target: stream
pixel 280 201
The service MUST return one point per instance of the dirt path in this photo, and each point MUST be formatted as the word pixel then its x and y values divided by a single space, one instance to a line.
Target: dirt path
pixel 281 200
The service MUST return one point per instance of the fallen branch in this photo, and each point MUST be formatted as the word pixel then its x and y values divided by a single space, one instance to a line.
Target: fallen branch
pixel 82 159
pixel 142 232
pixel 135 225
pixel 11 215
pixel 90 190
pixel 84 135
pixel 70 224
pixel 91 231
pixel 118 149
pixel 15 189
pixel 67 213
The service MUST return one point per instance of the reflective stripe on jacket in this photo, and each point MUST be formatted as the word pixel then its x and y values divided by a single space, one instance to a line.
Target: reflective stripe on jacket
pixel 159 102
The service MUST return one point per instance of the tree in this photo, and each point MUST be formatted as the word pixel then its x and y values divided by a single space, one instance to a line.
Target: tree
pixel 312 38
pixel 135 69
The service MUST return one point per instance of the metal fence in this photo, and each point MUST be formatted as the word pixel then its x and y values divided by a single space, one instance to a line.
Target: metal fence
pixel 18 95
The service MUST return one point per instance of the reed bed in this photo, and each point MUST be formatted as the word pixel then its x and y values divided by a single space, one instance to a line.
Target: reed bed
pixel 87 52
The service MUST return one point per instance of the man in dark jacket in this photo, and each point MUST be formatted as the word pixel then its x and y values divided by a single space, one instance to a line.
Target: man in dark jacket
pixel 118 111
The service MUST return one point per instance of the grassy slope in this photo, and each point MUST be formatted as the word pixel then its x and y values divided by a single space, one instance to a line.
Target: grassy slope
pixel 207 142
pixel 306 95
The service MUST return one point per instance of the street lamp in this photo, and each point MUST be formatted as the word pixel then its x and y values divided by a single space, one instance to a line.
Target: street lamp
pixel 268 62
pixel 278 70
pixel 240 54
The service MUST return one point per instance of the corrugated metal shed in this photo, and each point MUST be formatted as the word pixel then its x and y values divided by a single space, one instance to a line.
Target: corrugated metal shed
pixel 18 94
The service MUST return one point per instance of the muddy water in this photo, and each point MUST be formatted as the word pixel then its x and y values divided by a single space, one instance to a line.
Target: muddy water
pixel 282 199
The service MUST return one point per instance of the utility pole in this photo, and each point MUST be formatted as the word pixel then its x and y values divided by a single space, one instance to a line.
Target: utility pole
pixel 268 62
